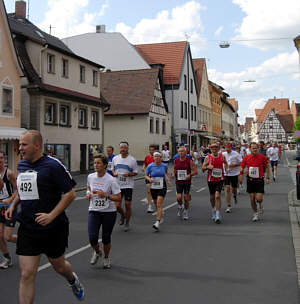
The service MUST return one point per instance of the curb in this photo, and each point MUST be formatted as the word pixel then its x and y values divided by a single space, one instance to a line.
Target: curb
pixel 294 210
pixel 84 188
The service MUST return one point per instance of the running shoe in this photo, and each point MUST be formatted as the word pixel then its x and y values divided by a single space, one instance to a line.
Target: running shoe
pixel 156 225
pixel 122 220
pixel 95 257
pixel 213 217
pixel 77 288
pixel 255 217
pixel 106 263
pixel 127 227
pixel 179 212
pixel 6 263
pixel 274 178
pixel 185 214
pixel 218 220
pixel 228 210
pixel 150 209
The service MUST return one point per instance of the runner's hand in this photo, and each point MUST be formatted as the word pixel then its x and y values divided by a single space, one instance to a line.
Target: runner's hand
pixel 88 196
pixel 4 202
pixel 246 171
pixel 9 213
pixel 210 167
pixel 126 174
pixel 101 193
pixel 43 218
pixel 151 180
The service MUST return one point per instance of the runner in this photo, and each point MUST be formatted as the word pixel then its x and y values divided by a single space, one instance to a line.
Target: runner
pixel 148 160
pixel 102 192
pixel 125 168
pixel 214 163
pixel 195 155
pixel 7 193
pixel 110 156
pixel 166 155
pixel 157 174
pixel 252 165
pixel 234 160
pixel 45 190
pixel 273 154
pixel 240 182
pixel 184 168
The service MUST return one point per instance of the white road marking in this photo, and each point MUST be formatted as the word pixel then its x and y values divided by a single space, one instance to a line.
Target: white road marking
pixel 201 189
pixel 79 198
pixel 68 255
pixel 166 208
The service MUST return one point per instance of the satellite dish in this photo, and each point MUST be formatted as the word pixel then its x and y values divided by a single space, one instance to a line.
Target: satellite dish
pixel 224 44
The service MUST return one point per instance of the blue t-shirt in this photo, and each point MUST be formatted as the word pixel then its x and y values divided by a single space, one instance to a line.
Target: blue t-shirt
pixel 110 158
pixel 154 170
pixel 52 181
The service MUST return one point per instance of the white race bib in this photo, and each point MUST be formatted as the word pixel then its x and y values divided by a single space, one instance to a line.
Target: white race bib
pixel 110 166
pixel 99 203
pixel 254 172
pixel 27 185
pixel 4 193
pixel 216 172
pixel 158 183
pixel 123 180
pixel 181 174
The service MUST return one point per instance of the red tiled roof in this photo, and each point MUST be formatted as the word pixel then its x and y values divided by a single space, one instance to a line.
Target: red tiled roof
pixel 286 121
pixel 280 105
pixel 199 68
pixel 258 112
pixel 129 92
pixel 170 54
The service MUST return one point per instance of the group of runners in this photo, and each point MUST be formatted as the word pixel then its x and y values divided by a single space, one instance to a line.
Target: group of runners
pixel 44 189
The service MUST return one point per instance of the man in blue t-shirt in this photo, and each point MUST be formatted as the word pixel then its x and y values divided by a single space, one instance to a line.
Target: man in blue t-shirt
pixel 110 156
pixel 45 190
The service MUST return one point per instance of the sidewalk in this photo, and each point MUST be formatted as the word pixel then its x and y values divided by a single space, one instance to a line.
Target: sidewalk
pixel 290 158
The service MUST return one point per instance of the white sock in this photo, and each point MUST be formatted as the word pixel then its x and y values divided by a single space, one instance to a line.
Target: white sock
pixel 217 213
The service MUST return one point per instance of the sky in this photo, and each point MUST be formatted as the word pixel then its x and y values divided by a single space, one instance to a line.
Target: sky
pixel 260 34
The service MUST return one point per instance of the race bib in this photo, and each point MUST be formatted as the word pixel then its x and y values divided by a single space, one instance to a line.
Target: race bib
pixel 110 166
pixel 254 172
pixel 100 203
pixel 4 193
pixel 158 183
pixel 27 186
pixel 181 174
pixel 216 172
pixel 123 180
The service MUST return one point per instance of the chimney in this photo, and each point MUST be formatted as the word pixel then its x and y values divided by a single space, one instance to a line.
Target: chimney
pixel 100 28
pixel 20 9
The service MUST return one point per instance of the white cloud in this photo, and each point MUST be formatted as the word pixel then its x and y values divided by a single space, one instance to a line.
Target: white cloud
pixel 219 31
pixel 70 17
pixel 175 25
pixel 269 19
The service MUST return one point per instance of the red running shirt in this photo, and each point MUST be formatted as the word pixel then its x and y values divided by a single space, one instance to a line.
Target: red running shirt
pixel 255 161
pixel 185 167
pixel 218 170
pixel 148 160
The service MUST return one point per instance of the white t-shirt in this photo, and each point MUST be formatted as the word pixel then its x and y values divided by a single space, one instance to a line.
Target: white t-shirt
pixel 195 157
pixel 272 153
pixel 125 165
pixel 233 158
pixel 107 184
pixel 165 155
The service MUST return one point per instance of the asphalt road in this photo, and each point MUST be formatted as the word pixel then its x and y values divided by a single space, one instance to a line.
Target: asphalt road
pixel 194 261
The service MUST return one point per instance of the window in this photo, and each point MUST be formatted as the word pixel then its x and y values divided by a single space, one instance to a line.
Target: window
pixel 279 136
pixel 185 110
pixel 262 136
pixel 50 63
pixel 163 127
pixel 181 109
pixel 195 113
pixel 185 82
pixel 50 113
pixel 95 78
pixel 157 126
pixel 192 112
pixel 82 74
pixel 64 115
pixel 151 125
pixel 271 127
pixel 192 88
pixel 59 151
pixel 270 118
pixel 82 118
pixel 95 120
pixel 7 101
pixel 65 68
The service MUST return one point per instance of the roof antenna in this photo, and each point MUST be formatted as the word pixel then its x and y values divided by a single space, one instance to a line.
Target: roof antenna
pixel 28 9
pixel 50 28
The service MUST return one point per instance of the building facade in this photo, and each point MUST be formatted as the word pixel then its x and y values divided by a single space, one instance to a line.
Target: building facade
pixel 10 94
pixel 215 97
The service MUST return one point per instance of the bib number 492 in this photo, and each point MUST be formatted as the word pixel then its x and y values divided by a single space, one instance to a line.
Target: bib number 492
pixel 26 187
